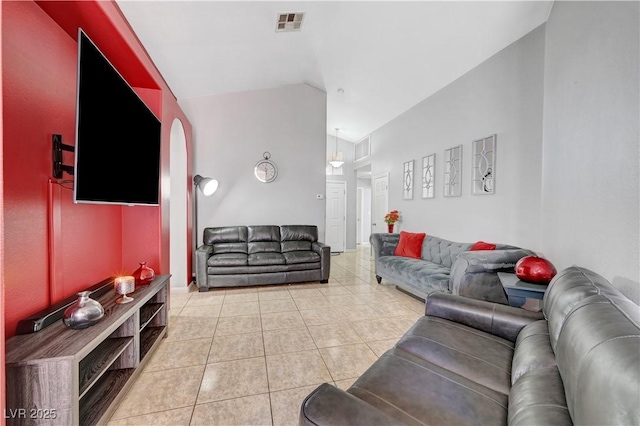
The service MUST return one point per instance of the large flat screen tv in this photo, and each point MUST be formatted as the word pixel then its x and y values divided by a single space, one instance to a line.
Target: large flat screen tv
pixel 117 153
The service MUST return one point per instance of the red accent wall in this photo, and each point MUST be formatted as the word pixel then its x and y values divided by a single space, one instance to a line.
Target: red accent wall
pixel 3 405
pixel 52 247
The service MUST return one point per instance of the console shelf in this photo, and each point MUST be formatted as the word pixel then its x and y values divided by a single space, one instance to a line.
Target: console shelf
pixel 79 376
pixel 148 312
pixel 95 403
pixel 94 365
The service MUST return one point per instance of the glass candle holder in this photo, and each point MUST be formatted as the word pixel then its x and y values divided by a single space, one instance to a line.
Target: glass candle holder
pixel 123 286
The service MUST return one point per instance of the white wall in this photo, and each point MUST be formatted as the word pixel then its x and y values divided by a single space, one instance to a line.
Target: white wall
pixel 231 132
pixel 591 140
pixel 503 95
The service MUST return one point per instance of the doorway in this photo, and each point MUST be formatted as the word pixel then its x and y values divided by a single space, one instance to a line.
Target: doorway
pixel 336 215
pixel 363 212
pixel 380 187
pixel 178 232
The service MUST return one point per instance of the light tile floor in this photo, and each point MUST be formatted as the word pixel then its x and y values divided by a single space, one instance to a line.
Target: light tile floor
pixel 249 356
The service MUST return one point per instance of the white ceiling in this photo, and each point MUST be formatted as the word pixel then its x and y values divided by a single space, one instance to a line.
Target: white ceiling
pixel 387 56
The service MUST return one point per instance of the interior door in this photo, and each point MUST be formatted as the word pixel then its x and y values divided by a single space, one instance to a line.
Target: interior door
pixel 380 186
pixel 336 215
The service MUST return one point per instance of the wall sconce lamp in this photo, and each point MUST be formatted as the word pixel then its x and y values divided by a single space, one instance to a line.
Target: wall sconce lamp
pixel 208 186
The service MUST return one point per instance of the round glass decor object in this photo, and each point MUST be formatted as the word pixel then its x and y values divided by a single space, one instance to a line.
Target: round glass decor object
pixel 534 269
pixel 84 312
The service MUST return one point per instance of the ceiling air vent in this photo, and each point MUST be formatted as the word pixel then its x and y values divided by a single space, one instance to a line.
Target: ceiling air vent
pixel 290 21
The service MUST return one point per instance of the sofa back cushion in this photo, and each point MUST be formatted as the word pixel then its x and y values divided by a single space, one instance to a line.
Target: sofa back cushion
pixel 227 239
pixel 298 237
pixel 442 252
pixel 263 233
pixel 263 239
pixel 225 234
pixel 594 331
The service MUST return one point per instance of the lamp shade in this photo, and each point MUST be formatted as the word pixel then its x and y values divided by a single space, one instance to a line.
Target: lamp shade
pixel 207 185
pixel 336 163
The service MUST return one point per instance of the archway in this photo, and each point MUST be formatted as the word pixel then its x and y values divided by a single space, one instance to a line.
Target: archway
pixel 178 235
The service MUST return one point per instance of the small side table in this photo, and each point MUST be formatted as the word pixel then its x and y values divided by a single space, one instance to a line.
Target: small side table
pixel 522 294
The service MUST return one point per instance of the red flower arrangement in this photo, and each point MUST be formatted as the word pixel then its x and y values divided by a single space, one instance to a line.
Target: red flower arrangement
pixel 392 217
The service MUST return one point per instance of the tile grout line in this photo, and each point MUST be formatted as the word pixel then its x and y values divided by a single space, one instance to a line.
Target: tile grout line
pixel 266 368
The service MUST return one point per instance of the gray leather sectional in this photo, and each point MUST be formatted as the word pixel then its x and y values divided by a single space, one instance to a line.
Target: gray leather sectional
pixel 475 362
pixel 446 266
pixel 234 256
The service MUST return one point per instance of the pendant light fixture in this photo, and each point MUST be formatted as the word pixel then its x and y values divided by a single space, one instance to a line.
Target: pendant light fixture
pixel 336 160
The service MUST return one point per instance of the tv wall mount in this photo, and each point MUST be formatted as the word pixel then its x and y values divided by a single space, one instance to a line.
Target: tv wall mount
pixel 58 166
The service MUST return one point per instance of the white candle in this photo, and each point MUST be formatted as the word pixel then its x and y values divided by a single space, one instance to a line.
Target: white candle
pixel 124 285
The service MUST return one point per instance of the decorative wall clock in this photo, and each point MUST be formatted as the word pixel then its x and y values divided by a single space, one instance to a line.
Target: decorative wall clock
pixel 265 170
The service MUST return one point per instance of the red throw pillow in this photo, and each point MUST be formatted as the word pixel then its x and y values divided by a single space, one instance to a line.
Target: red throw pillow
pixel 410 244
pixel 481 245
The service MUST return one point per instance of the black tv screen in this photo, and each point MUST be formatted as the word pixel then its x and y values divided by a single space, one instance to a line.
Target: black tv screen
pixel 117 154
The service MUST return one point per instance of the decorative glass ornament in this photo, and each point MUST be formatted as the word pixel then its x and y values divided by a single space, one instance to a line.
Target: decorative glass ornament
pixel 534 269
pixel 143 275
pixel 84 312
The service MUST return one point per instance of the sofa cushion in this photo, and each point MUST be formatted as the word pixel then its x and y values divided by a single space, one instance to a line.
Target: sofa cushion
pixel 263 247
pixel 415 391
pixel 410 244
pixel 287 246
pixel 230 248
pixel 263 233
pixel 533 350
pixel 228 259
pixel 256 259
pixel 226 234
pixel 299 233
pixel 245 270
pixel 301 257
pixel 538 398
pixel 474 354
pixel 442 252
pixel 302 266
pixel 418 274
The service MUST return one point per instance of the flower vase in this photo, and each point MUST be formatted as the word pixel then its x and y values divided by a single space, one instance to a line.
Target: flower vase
pixel 390 227
pixel 83 313
pixel 143 275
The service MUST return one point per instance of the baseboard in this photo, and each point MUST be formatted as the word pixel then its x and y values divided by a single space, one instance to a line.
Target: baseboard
pixel 187 289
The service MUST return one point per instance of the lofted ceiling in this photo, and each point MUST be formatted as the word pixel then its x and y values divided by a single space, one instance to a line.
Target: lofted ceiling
pixel 386 56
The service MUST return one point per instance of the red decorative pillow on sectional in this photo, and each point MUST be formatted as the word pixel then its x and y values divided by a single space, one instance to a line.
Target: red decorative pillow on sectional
pixel 481 245
pixel 410 244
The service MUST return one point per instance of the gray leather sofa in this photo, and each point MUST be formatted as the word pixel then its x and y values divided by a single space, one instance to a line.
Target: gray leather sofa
pixel 474 362
pixel 446 266
pixel 234 256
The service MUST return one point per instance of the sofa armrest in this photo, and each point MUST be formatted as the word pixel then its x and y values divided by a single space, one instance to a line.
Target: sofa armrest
pixel 384 244
pixel 202 255
pixel 500 320
pixel 475 273
pixel 328 405
pixel 325 259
